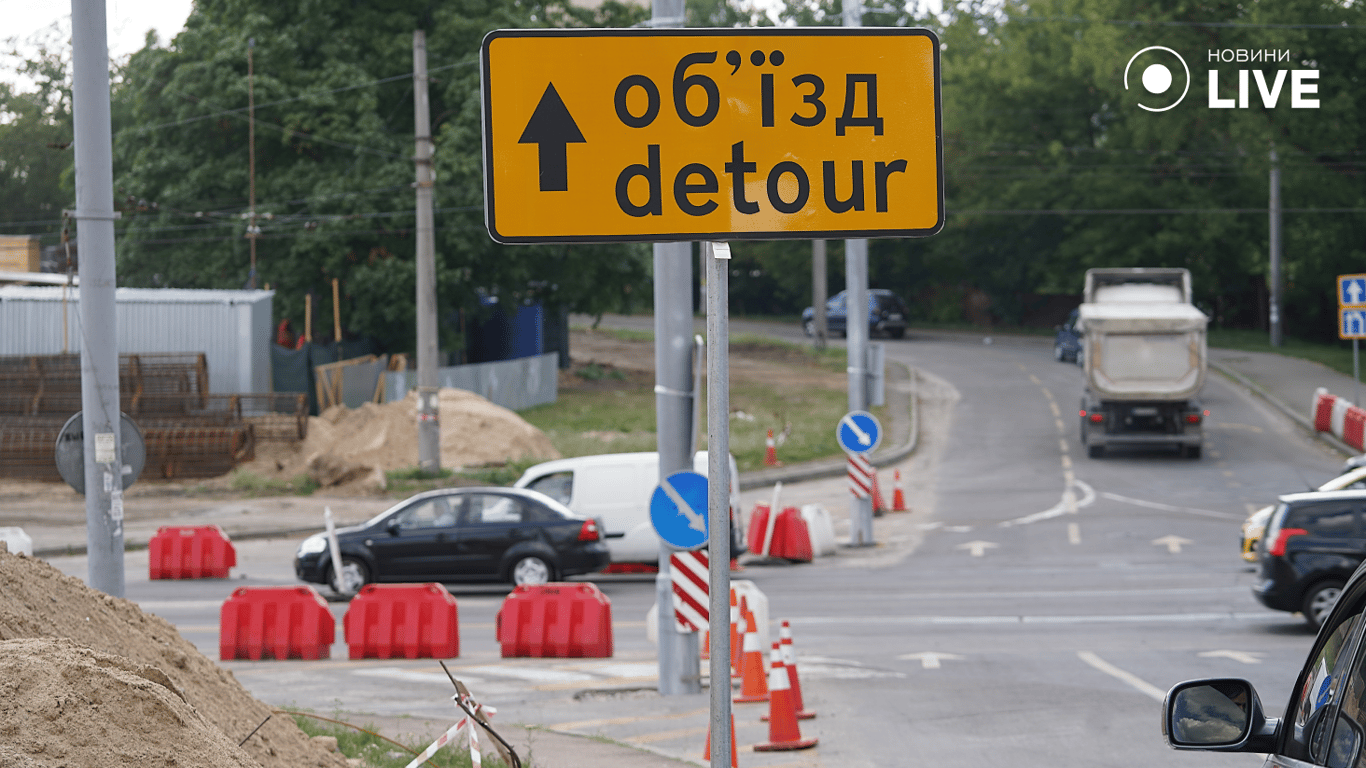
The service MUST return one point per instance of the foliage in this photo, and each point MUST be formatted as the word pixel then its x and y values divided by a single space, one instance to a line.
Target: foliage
pixel 333 169
pixel 35 139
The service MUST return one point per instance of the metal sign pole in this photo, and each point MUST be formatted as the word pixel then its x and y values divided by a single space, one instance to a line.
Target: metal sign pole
pixel 718 488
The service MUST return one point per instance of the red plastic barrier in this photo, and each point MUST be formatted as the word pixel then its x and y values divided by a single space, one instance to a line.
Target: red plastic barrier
pixel 1352 427
pixel 630 568
pixel 556 620
pixel 192 552
pixel 791 539
pixel 1323 410
pixel 279 622
pixel 412 621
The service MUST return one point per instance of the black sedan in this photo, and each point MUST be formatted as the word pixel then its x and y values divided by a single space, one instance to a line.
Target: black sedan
pixel 460 534
pixel 886 314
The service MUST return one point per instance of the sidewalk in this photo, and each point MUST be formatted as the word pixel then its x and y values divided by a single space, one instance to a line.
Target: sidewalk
pixel 1286 383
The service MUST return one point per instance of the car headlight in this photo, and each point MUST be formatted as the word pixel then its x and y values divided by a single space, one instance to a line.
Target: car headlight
pixel 313 544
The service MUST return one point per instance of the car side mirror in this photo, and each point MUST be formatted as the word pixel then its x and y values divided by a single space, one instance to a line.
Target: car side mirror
pixel 1219 715
pixel 392 527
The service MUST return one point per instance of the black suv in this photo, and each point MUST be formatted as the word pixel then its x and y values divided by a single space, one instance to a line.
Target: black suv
pixel 1325 720
pixel 1312 545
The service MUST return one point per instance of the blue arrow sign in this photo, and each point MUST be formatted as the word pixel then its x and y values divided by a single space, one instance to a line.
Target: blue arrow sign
pixel 1351 291
pixel 678 510
pixel 858 432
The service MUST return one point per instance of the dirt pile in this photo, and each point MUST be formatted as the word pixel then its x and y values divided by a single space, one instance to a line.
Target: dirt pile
pixel 93 675
pixel 347 446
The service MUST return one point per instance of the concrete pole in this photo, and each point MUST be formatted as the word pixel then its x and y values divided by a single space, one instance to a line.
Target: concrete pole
pixel 679 663
pixel 818 292
pixel 718 491
pixel 428 422
pixel 99 351
pixel 1275 243
pixel 856 331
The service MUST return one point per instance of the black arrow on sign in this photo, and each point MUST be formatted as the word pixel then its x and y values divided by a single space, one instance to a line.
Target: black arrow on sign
pixel 552 128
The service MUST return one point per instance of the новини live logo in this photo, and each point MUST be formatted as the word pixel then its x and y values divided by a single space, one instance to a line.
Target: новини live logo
pixel 1159 64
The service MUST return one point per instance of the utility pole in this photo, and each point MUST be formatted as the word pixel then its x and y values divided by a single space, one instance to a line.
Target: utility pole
pixel 95 216
pixel 252 230
pixel 1275 248
pixel 679 663
pixel 856 331
pixel 428 423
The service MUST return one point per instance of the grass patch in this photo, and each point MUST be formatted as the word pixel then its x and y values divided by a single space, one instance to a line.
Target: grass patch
pixel 1337 355
pixel 252 484
pixel 376 751
pixel 410 480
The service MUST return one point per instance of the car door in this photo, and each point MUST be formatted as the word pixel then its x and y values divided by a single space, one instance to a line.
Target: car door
pixel 417 543
pixel 1324 719
pixel 492 524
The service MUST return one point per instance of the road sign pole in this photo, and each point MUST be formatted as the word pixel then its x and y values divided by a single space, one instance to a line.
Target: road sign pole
pixel 856 332
pixel 1274 241
pixel 818 292
pixel 1356 369
pixel 718 485
pixel 428 408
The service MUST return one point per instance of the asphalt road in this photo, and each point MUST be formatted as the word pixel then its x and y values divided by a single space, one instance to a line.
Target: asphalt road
pixel 1032 609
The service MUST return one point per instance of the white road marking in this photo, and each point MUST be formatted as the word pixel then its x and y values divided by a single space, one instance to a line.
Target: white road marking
pixel 1073 533
pixel 1173 543
pixel 1246 657
pixel 929 659
pixel 413 676
pixel 978 548
pixel 1119 674
pixel 1169 507
pixel 1156 618
pixel 1063 507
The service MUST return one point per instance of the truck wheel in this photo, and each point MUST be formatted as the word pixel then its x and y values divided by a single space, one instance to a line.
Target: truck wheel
pixel 1095 451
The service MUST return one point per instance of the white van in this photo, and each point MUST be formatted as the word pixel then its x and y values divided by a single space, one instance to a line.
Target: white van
pixel 616 489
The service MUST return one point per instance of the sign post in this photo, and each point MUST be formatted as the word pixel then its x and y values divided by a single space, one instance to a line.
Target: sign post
pixel 714 135
pixel 1352 320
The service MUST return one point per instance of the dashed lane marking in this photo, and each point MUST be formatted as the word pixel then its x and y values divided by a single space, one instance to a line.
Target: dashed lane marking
pixel 1138 683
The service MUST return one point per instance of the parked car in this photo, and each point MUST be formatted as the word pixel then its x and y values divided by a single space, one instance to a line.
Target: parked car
pixel 1352 478
pixel 1313 543
pixel 886 314
pixel 1067 343
pixel 458 535
pixel 1325 719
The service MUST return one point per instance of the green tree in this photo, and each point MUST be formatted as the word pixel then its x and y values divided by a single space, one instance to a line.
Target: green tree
pixel 334 140
pixel 35 140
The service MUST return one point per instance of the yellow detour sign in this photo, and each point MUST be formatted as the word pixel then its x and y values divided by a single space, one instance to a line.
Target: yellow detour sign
pixel 711 134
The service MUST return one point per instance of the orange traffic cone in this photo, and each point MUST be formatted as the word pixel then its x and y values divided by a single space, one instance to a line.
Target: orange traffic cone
pixel 878 507
pixel 752 684
pixel 734 760
pixel 783 732
pixel 790 661
pixel 898 495
pixel 770 451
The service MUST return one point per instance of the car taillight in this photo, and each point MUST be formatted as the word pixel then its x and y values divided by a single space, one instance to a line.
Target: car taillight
pixel 1193 418
pixel 1277 547
pixel 1095 417
pixel 589 531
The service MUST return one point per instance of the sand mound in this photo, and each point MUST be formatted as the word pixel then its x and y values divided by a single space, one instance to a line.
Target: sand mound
pixel 69 702
pixel 350 445
pixel 64 704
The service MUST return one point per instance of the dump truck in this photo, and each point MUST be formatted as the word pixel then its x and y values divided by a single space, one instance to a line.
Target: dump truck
pixel 1144 357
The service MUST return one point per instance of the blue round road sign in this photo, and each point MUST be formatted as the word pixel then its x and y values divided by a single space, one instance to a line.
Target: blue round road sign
pixel 859 432
pixel 678 510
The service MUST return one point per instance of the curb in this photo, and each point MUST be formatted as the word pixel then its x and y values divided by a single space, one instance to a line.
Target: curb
pixel 820 468
pixel 1276 403
pixel 135 546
